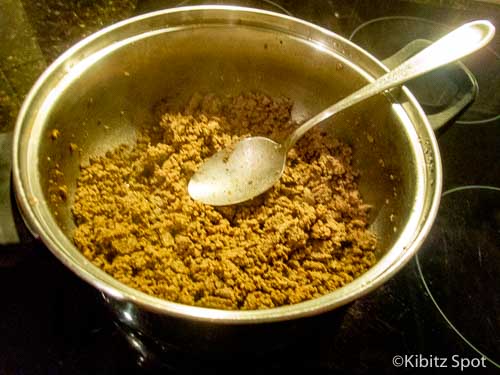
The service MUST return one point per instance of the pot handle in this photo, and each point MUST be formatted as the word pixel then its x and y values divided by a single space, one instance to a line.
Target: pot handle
pixel 13 230
pixel 8 231
pixel 461 79
pixel 16 240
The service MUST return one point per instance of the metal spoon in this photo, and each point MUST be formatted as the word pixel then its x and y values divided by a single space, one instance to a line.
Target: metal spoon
pixel 255 164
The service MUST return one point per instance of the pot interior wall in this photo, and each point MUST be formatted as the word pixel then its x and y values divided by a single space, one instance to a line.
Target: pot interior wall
pixel 106 102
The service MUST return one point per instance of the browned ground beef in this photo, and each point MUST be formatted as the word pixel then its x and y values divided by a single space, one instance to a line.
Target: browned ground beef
pixel 303 238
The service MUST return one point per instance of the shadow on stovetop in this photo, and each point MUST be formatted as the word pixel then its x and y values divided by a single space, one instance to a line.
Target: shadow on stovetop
pixel 300 353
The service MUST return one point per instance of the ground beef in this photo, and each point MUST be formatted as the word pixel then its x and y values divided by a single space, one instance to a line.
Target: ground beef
pixel 303 238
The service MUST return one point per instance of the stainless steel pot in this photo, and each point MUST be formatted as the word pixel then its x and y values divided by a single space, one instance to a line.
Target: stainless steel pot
pixel 100 91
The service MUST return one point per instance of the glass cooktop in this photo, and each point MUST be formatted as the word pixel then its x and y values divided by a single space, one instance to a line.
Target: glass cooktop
pixel 442 309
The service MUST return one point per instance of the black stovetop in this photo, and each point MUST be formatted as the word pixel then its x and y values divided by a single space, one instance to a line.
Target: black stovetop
pixel 443 308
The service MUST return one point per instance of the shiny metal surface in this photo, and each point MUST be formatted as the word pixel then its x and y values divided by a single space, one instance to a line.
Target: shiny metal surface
pixel 239 173
pixel 253 165
pixel 440 119
pixel 104 88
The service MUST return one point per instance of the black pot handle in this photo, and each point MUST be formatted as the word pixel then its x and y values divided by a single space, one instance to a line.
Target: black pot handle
pixel 16 240
pixel 13 231
pixel 459 76
pixel 8 231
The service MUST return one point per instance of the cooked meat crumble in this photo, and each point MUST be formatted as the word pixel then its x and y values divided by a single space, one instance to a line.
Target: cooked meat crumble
pixel 305 237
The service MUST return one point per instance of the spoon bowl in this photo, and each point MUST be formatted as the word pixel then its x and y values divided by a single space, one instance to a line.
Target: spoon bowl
pixel 235 174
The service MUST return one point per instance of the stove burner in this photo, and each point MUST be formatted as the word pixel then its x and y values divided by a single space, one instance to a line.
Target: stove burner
pixel 459 266
pixel 386 35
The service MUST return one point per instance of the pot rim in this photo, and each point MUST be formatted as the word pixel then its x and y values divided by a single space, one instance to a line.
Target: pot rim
pixel 57 242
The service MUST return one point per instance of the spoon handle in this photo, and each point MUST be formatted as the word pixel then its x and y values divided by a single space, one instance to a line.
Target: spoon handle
pixel 453 46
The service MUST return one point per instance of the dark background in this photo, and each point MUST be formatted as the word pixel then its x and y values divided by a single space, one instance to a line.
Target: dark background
pixel 51 322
